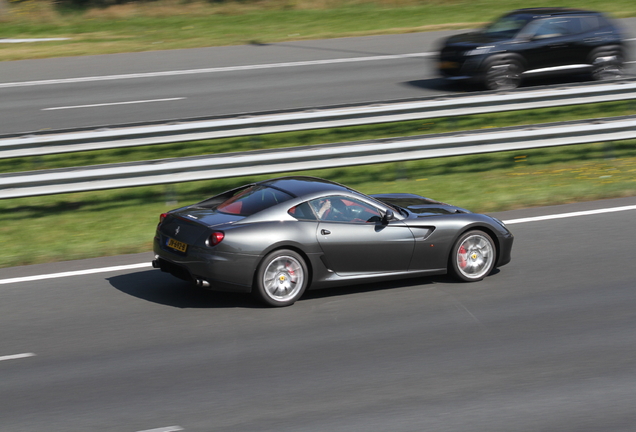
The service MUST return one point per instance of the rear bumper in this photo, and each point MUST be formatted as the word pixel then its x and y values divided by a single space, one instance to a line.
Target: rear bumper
pixel 183 273
pixel 216 271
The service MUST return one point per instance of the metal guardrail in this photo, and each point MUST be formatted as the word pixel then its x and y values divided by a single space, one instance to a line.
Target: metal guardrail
pixel 256 124
pixel 164 171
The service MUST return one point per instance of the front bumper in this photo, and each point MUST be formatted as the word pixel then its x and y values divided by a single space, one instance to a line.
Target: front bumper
pixel 505 248
pixel 461 67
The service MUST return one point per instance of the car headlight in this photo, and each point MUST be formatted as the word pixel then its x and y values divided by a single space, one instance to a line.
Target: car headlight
pixel 479 51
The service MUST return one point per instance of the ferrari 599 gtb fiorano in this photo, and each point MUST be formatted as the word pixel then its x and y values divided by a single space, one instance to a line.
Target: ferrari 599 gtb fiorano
pixel 280 237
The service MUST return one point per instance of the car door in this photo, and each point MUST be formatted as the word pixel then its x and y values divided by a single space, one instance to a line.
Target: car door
pixel 355 240
pixel 552 43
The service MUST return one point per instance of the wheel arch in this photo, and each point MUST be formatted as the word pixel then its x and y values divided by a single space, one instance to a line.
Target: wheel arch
pixel 481 227
pixel 283 246
pixel 504 57
pixel 609 48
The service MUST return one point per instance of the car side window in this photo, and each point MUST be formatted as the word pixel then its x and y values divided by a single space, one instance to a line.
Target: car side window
pixel 302 212
pixel 554 27
pixel 573 25
pixel 590 23
pixel 345 209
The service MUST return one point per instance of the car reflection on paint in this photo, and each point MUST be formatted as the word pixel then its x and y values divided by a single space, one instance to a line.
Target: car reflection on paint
pixel 280 237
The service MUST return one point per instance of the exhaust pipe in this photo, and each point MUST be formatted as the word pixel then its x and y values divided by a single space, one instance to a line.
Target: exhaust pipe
pixel 155 263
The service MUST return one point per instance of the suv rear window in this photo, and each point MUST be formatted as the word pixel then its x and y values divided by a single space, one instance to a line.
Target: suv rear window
pixel 252 200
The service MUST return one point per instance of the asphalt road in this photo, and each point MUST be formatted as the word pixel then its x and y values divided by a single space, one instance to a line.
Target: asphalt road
pixel 546 344
pixel 142 87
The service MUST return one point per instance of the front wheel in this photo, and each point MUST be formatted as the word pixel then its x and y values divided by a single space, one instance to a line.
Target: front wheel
pixel 504 75
pixel 473 256
pixel 281 279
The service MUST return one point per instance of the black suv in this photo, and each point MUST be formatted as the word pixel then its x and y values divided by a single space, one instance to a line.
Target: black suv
pixel 535 41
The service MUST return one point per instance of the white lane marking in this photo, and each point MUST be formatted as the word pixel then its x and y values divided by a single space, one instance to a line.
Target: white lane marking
pixel 74 273
pixel 113 103
pixel 164 429
pixel 212 70
pixel 32 40
pixel 142 265
pixel 16 356
pixel 569 215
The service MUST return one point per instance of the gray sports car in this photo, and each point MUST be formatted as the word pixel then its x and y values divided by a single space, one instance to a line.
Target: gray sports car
pixel 279 237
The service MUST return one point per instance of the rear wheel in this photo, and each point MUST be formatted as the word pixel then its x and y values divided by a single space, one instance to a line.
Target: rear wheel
pixel 281 279
pixel 473 256
pixel 503 75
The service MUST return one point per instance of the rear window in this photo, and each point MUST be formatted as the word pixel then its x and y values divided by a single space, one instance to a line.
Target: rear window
pixel 252 200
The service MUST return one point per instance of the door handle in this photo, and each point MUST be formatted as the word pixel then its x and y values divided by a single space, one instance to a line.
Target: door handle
pixel 325 232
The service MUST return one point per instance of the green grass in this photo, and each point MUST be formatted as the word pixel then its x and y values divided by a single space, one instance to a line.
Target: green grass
pixel 170 24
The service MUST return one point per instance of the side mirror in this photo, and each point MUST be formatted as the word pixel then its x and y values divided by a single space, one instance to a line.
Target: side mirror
pixel 388 216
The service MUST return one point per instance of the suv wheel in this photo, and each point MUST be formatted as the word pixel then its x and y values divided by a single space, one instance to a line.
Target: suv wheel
pixel 504 75
pixel 607 63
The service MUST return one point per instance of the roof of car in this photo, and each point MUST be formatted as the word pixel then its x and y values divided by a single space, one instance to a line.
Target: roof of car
pixel 551 11
pixel 301 185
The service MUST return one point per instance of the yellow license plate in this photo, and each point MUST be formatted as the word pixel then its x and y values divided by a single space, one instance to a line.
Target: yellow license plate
pixel 448 65
pixel 180 246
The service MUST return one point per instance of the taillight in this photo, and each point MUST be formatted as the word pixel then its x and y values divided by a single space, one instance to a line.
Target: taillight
pixel 162 216
pixel 215 238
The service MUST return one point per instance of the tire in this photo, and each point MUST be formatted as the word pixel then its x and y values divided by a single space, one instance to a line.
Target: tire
pixel 503 75
pixel 473 256
pixel 281 278
pixel 607 63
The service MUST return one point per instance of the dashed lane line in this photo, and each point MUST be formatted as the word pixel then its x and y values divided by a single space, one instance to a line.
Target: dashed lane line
pixel 16 356
pixel 164 429
pixel 113 103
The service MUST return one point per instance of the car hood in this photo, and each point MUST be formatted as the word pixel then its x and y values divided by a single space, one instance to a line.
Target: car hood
pixel 471 40
pixel 419 206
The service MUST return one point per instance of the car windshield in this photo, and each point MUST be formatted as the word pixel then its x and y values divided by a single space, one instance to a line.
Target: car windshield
pixel 251 200
pixel 507 27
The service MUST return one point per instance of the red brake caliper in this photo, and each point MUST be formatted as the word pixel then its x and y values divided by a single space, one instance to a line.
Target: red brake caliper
pixel 462 257
pixel 291 273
